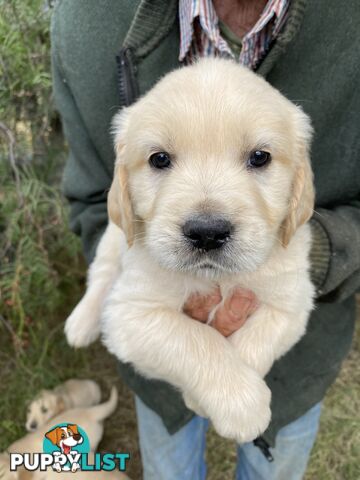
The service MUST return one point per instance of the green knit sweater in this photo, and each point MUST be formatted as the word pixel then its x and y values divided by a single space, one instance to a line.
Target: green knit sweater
pixel 315 63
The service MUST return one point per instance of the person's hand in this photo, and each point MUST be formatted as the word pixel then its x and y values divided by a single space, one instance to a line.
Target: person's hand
pixel 230 316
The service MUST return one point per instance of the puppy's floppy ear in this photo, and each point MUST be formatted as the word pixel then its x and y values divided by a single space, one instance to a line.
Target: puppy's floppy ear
pixel 119 203
pixel 303 194
pixel 52 435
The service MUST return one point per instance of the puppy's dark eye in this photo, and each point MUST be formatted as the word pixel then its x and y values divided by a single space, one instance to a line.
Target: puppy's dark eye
pixel 160 160
pixel 44 409
pixel 259 158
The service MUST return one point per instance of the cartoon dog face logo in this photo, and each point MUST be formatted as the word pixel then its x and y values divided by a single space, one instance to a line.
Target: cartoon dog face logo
pixel 65 438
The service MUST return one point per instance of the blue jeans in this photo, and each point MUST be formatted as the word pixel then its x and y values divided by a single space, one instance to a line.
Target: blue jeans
pixel 182 456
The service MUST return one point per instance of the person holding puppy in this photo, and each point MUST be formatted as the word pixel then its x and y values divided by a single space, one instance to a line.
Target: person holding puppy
pixel 104 58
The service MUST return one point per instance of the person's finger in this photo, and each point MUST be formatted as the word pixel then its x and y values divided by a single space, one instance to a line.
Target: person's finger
pixel 199 306
pixel 236 310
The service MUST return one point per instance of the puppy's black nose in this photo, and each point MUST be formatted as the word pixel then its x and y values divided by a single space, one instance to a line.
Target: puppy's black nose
pixel 207 232
pixel 33 425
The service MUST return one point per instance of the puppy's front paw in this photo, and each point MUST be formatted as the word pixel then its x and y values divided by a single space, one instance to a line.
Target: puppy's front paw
pixel 193 405
pixel 82 327
pixel 239 408
pixel 258 359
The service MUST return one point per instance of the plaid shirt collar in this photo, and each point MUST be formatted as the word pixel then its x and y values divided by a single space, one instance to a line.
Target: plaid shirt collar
pixel 255 41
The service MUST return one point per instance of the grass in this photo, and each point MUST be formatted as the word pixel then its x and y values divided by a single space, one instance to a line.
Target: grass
pixel 25 79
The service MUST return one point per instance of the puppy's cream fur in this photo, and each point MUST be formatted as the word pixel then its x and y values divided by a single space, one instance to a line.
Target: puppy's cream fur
pixel 90 419
pixel 70 394
pixel 209 117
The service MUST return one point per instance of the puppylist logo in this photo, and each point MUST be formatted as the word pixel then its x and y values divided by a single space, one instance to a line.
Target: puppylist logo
pixel 66 448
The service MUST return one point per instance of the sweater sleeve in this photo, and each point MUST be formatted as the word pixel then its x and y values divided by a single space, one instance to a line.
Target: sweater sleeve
pixel 86 179
pixel 335 254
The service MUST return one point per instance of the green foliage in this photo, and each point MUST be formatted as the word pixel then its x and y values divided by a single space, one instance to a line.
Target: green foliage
pixel 40 256
pixel 25 80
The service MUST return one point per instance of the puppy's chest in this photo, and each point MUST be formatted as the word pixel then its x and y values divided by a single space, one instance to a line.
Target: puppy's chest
pixel 226 286
pixel 269 287
pixel 272 283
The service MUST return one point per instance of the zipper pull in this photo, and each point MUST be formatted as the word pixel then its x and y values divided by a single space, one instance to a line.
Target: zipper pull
pixel 261 443
pixel 126 73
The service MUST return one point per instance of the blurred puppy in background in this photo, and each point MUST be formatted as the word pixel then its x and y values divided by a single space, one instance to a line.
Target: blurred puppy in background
pixel 91 419
pixel 70 394
pixel 213 189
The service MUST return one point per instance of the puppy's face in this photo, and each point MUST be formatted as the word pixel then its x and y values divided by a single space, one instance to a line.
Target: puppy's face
pixel 212 170
pixel 40 410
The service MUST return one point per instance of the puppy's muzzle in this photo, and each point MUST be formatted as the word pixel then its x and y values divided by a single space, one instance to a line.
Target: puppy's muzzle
pixel 207 232
pixel 33 426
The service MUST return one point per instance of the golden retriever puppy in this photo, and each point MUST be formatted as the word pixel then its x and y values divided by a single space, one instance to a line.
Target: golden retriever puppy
pixel 212 187
pixel 5 473
pixel 91 419
pixel 70 394
pixel 20 474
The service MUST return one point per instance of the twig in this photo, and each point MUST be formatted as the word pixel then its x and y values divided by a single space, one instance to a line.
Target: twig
pixel 13 334
pixel 11 142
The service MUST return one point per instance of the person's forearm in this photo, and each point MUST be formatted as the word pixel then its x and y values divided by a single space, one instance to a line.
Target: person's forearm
pixel 335 254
